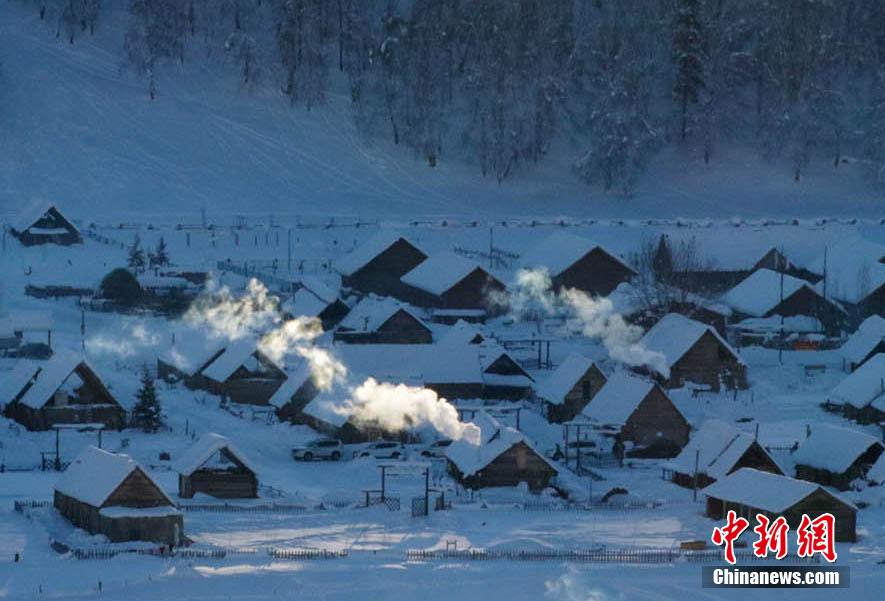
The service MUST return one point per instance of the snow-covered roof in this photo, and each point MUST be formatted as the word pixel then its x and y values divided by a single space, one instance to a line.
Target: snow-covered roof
pixel 559 251
pixel 34 213
pixel 191 351
pixel 760 292
pixel 833 448
pixel 863 386
pixel 558 384
pixel 372 312
pixel 675 334
pixel 364 254
pixel 853 268
pixel 495 439
pixel 95 474
pixel 720 446
pixel 235 354
pixel 800 324
pixel 46 378
pixel 149 280
pixel 304 303
pixel 763 490
pixel 490 353
pixel 295 379
pixel 440 272
pixel 864 341
pixel 204 449
pixel 322 406
pixel 618 399
pixel 319 288
pixel 463 333
pixel 419 363
pixel 876 473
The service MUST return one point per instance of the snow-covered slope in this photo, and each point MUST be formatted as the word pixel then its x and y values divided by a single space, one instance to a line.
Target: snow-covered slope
pixel 78 130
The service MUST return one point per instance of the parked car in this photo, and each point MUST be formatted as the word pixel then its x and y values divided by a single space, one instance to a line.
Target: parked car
pixel 382 449
pixel 322 448
pixel 436 448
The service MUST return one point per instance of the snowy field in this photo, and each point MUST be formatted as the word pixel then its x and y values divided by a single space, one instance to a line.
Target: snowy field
pixel 782 400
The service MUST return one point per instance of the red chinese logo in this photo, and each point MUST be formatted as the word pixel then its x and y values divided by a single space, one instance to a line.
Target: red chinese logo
pixel 816 535
pixel 730 532
pixel 772 536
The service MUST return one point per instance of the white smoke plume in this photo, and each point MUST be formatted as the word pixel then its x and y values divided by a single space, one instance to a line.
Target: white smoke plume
pixel 397 407
pixel 597 318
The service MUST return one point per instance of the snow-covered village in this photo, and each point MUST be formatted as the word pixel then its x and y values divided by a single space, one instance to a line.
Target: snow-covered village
pixel 253 345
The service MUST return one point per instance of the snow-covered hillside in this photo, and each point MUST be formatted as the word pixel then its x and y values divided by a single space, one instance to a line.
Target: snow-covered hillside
pixel 78 130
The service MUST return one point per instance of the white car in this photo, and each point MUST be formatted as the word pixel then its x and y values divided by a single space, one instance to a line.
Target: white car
pixel 382 449
pixel 436 448
pixel 322 448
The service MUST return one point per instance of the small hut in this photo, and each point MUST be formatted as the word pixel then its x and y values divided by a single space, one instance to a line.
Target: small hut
pixel 749 492
pixel 716 450
pixel 575 262
pixel 695 352
pixel 110 494
pixel 63 390
pixel 834 456
pixel 378 265
pixel 315 299
pixel 241 372
pixel 572 385
pixel 866 342
pixel 377 320
pixel 45 225
pixel 504 457
pixel 215 467
pixel 503 378
pixel 450 281
pixel 861 395
pixel 638 411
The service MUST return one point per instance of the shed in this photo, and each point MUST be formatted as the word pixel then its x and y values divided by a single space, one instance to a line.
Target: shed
pixel 749 492
pixel 638 411
pixel 760 295
pixel 215 467
pixel 377 320
pixel 867 341
pixel 450 281
pixel 575 262
pixel 718 449
pixel 63 390
pixel 110 494
pixel 861 395
pixel 45 225
pixel 379 263
pixel 695 352
pixel 241 372
pixel 504 457
pixel 835 456
pixel 568 389
pixel 503 377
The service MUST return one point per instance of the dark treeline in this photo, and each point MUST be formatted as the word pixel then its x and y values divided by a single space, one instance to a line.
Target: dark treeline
pixel 498 81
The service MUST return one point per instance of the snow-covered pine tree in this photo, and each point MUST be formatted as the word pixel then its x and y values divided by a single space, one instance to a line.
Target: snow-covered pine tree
pixel 135 257
pixel 160 256
pixel 147 413
pixel 688 55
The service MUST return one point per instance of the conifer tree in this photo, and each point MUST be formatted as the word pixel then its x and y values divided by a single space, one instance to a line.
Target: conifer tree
pixel 147 413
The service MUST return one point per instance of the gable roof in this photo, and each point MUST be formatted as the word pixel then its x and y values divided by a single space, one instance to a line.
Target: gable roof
pixel 364 254
pixel 441 272
pixel 853 269
pixel 495 439
pixel 675 334
pixel 876 474
pixel 833 448
pixel 319 289
pixel 869 335
pixel 304 303
pixel 95 474
pixel 765 491
pixel 44 377
pixel 32 214
pixel 863 386
pixel 295 379
pixel 373 312
pixel 618 399
pixel 203 450
pixel 760 292
pixel 558 384
pixel 559 251
pixel 192 350
pixel 232 357
pixel 719 445
pixel 463 333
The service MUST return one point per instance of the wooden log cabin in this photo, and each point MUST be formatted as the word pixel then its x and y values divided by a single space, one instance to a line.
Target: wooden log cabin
pixel 63 390
pixel 861 394
pixel 574 262
pixel 749 492
pixel 377 266
pixel 450 281
pixel 503 457
pixel 315 299
pixel 836 456
pixel 864 344
pixel 215 467
pixel 110 494
pixel 636 411
pixel 572 385
pixel 716 450
pixel 377 320
pixel 45 225
pixel 693 352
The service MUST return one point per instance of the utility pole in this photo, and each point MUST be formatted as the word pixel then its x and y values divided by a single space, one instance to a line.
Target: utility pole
pixel 780 351
pixel 491 246
pixel 697 459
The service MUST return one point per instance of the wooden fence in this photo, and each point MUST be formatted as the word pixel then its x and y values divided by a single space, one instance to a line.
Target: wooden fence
pixel 617 556
pixel 616 506
pixel 105 553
